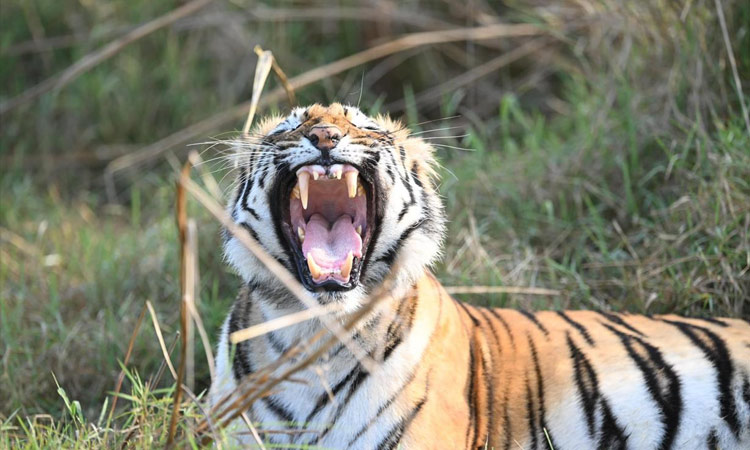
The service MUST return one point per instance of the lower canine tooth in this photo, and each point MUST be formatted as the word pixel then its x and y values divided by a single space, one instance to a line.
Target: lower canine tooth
pixel 359 230
pixel 301 234
pixel 346 269
pixel 314 268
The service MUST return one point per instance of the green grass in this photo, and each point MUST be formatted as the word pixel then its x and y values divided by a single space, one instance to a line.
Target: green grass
pixel 613 166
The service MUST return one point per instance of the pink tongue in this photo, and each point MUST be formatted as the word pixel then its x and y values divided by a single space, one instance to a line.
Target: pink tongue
pixel 330 247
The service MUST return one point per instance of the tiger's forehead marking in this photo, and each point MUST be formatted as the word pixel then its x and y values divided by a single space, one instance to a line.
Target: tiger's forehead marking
pixel 346 119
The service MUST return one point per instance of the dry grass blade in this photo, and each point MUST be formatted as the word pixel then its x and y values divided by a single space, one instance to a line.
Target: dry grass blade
pixel 284 276
pixel 262 69
pixel 204 338
pixel 191 285
pixel 121 376
pixel 91 60
pixel 501 290
pixel 282 78
pixel 281 322
pixel 208 180
pixel 407 42
pixel 199 405
pixel 159 336
pixel 253 431
pixel 187 287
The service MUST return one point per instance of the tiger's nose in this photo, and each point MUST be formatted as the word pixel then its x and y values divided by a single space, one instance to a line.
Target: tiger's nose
pixel 324 137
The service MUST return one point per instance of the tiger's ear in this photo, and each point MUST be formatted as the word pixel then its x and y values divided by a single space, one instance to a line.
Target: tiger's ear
pixel 389 125
pixel 267 124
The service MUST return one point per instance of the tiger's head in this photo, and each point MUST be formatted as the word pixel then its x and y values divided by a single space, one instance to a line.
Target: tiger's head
pixel 338 198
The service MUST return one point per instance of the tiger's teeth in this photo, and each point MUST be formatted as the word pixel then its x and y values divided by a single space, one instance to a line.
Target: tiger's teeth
pixel 313 266
pixel 315 176
pixel 335 171
pixel 303 180
pixel 301 234
pixel 360 191
pixel 295 192
pixel 346 269
pixel 351 183
pixel 359 230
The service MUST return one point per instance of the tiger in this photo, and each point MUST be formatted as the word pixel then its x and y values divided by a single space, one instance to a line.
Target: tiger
pixel 349 204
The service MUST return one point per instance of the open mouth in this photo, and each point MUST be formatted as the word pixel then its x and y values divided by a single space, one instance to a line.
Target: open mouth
pixel 328 224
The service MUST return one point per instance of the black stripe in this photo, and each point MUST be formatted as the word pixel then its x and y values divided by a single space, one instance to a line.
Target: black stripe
pixel 617 320
pixel 252 212
pixel 324 398
pixel 474 320
pixel 400 325
pixel 506 418
pixel 241 192
pixel 661 381
pixel 278 409
pixel 488 387
pixel 390 255
pixel 493 330
pixel 382 409
pixel 611 435
pixel 715 350
pixel 581 329
pixel 531 416
pixel 359 378
pixel 712 321
pixel 276 344
pixel 491 423
pixel 505 325
pixel 415 175
pixel 471 395
pixel 529 315
pixel 262 177
pixel 238 320
pixel 246 188
pixel 540 391
pixel 410 189
pixel 250 230
pixel 403 211
pixel 587 384
pixel 394 435
pixel 389 171
pixel 712 442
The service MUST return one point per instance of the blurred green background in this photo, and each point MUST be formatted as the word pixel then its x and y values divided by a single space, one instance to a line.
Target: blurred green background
pixel 606 157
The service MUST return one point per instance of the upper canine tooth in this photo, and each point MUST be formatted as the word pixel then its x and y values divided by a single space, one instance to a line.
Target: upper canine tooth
pixel 303 179
pixel 346 269
pixel 351 183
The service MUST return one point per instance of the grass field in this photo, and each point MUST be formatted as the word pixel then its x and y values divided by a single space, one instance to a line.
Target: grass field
pixel 607 158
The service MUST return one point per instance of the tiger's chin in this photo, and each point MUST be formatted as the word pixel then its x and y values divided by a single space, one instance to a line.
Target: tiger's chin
pixel 327 217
